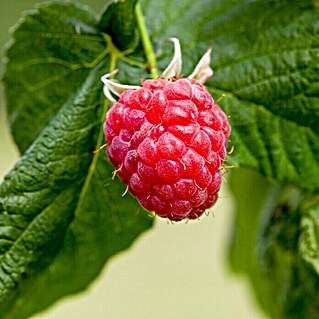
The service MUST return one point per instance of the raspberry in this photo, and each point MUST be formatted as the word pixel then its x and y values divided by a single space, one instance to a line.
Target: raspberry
pixel 167 140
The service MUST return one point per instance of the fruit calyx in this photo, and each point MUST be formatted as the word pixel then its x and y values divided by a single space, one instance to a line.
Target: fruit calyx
pixel 201 73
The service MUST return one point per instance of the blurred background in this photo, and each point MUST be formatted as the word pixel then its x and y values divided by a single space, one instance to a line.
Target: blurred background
pixel 172 271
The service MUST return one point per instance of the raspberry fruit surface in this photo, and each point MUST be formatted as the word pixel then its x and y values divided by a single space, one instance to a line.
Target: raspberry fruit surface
pixel 167 141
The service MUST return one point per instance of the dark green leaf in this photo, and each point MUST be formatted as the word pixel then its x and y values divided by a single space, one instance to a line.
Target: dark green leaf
pixel 119 22
pixel 61 215
pixel 51 53
pixel 59 225
pixel 266 61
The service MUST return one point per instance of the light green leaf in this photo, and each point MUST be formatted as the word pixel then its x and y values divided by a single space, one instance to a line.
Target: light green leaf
pixel 252 193
pixel 276 247
pixel 309 238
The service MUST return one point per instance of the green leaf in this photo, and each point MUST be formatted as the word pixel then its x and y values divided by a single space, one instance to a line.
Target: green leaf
pixel 295 283
pixel 282 248
pixel 309 238
pixel 266 61
pixel 61 214
pixel 52 51
pixel 119 22
pixel 57 227
pixel 252 192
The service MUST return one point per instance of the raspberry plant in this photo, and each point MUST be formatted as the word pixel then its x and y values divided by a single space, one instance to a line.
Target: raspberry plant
pixel 58 204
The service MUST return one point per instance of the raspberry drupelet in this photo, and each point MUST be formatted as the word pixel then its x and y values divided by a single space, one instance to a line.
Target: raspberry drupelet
pixel 167 140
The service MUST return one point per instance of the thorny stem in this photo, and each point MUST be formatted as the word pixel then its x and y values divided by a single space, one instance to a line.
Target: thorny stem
pixel 149 53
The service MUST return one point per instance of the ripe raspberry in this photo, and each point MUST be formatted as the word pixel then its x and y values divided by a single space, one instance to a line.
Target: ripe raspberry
pixel 167 140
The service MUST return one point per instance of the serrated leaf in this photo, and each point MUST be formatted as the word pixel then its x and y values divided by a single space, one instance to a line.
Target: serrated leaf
pixel 60 216
pixel 59 225
pixel 52 51
pixel 266 60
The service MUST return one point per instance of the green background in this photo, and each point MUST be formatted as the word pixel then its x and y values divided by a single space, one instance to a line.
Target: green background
pixel 173 271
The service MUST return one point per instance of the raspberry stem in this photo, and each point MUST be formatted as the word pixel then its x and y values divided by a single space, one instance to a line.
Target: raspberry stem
pixel 149 53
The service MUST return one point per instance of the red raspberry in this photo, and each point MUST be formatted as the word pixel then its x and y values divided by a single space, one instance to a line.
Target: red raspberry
pixel 167 141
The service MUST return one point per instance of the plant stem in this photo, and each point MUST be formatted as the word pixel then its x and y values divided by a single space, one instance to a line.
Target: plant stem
pixel 113 61
pixel 149 53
